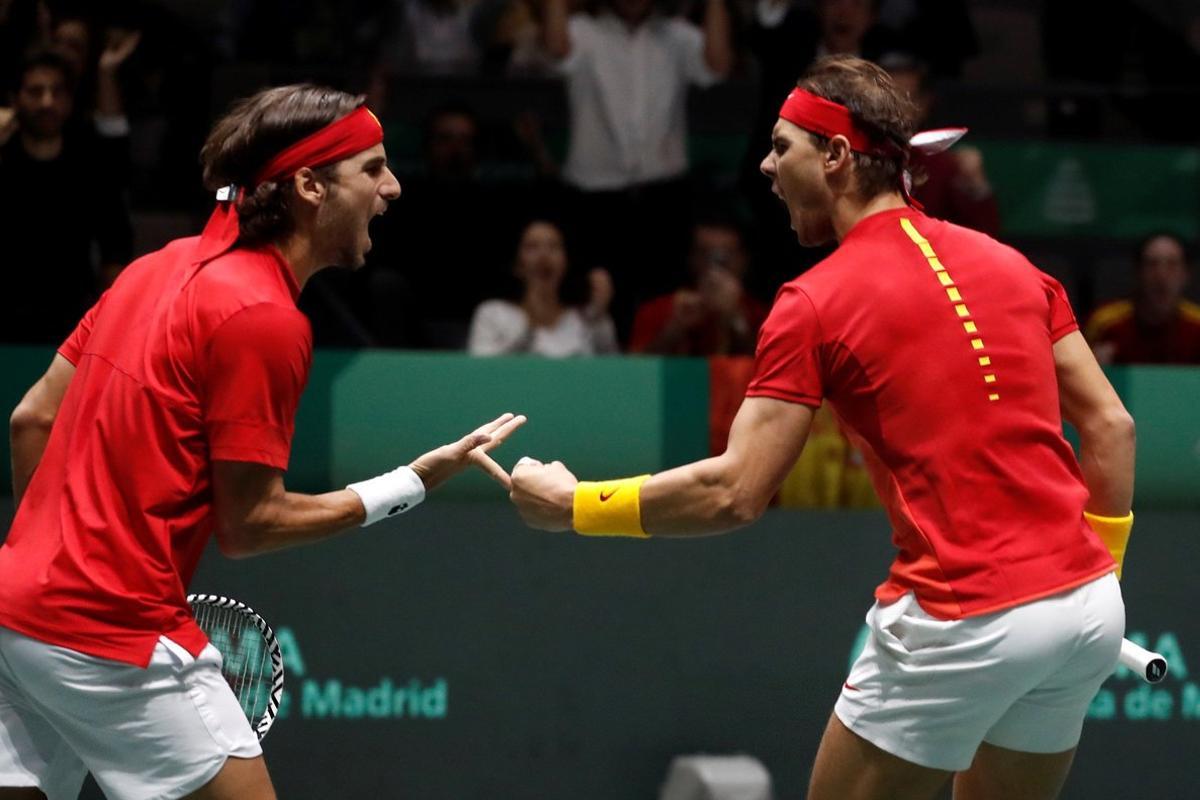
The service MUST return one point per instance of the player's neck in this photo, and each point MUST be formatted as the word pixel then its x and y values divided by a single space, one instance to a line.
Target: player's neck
pixel 850 209
pixel 301 257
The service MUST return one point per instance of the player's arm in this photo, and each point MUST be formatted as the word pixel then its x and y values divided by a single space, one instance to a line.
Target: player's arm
pixel 257 514
pixel 733 489
pixel 1106 430
pixel 706 497
pixel 32 419
pixel 1106 441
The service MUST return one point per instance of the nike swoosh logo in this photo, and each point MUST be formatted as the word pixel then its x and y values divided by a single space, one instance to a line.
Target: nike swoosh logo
pixel 851 688
pixel 605 495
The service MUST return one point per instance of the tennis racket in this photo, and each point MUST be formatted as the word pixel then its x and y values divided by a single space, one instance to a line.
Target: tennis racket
pixel 252 663
pixel 1150 667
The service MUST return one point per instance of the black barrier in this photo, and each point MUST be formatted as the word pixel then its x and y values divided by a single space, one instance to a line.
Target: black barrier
pixel 451 653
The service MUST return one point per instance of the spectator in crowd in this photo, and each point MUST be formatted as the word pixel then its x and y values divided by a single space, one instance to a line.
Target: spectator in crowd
pixel 540 323
pixel 952 184
pixel 98 101
pixel 435 262
pixel 1158 325
pixel 712 315
pixel 627 70
pixel 58 205
pixel 98 97
pixel 519 33
pixel 439 37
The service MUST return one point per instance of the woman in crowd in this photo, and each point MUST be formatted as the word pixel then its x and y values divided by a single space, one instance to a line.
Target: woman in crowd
pixel 539 321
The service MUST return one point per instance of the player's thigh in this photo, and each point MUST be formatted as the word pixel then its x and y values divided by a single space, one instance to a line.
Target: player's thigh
pixel 163 730
pixel 35 760
pixel 239 779
pixel 848 767
pixel 999 774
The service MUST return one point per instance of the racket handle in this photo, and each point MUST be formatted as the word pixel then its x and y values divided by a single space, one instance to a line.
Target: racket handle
pixel 1150 667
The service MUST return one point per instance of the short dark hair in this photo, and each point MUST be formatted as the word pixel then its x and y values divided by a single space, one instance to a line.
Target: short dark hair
pixel 250 134
pixel 1139 253
pixel 45 57
pixel 877 106
pixel 452 108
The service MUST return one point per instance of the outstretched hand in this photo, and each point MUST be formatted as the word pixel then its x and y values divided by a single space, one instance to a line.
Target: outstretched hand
pixel 438 466
pixel 544 494
pixel 119 45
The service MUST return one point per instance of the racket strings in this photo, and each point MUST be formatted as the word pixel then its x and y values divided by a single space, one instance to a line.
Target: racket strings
pixel 246 663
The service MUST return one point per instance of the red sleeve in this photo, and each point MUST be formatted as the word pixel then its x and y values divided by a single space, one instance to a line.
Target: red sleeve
pixel 788 360
pixel 1062 318
pixel 72 348
pixel 256 368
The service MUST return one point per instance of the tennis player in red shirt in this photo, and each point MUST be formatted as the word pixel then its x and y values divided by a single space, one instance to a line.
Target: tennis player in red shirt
pixel 952 361
pixel 165 417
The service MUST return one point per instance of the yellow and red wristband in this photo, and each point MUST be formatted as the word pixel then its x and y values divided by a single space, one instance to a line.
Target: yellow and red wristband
pixel 609 508
pixel 1114 533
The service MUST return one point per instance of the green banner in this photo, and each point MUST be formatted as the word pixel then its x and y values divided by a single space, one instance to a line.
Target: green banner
pixel 365 412
pixel 1109 191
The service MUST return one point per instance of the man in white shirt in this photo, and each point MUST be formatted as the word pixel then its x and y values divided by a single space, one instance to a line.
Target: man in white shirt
pixel 627 71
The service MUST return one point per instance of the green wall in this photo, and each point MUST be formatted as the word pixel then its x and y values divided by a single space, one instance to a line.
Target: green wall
pixel 365 412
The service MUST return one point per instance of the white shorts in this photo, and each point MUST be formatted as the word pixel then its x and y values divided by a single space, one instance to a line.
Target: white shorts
pixel 144 734
pixel 930 690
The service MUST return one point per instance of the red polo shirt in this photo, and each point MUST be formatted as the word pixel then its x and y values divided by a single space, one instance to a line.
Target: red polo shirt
pixel 933 343
pixel 176 366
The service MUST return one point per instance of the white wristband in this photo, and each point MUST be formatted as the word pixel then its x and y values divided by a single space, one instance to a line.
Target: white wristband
pixel 389 494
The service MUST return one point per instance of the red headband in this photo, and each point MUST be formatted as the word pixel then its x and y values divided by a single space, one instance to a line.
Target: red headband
pixel 828 119
pixel 342 138
pixel 353 133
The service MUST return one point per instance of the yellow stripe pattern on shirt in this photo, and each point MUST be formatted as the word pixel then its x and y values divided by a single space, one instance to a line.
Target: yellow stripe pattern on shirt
pixel 956 300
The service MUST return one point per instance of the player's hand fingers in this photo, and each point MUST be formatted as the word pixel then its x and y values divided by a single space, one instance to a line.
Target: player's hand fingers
pixel 491 468
pixel 501 433
pixel 525 461
pixel 488 427
pixel 471 441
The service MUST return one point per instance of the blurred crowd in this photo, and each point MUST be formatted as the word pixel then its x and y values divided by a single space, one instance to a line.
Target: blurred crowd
pixel 604 238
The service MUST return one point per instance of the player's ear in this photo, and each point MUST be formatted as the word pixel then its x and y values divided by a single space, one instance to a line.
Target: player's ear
pixel 837 153
pixel 309 187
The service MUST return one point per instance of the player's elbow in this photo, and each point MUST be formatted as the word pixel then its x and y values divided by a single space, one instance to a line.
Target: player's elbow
pixel 740 507
pixel 1111 428
pixel 29 417
pixel 234 546
pixel 240 539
